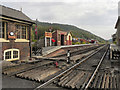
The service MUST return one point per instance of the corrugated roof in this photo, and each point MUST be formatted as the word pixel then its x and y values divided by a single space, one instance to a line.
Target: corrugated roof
pixel 6 11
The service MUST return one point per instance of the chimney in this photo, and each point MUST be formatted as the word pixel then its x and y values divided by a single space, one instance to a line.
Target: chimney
pixel 21 9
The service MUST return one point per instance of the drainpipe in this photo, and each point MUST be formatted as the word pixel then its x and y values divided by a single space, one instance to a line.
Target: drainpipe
pixel 30 41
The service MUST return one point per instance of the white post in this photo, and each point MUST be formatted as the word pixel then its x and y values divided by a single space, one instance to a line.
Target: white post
pixel 50 42
pixel 45 42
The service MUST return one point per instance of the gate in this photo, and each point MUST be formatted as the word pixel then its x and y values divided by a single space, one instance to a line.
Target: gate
pixel 116 54
pixel 36 51
pixel 37 48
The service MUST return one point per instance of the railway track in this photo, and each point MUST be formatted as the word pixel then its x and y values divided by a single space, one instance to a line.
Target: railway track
pixel 96 70
pixel 41 74
pixel 104 77
pixel 79 75
pixel 79 51
pixel 10 71
pixel 87 73
pixel 17 69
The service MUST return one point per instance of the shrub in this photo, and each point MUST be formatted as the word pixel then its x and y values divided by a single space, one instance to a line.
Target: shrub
pixel 77 43
pixel 83 43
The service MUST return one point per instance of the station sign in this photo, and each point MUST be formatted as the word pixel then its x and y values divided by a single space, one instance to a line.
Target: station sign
pixel 48 34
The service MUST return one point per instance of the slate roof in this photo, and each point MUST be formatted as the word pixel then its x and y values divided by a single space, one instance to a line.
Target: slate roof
pixel 117 22
pixel 13 13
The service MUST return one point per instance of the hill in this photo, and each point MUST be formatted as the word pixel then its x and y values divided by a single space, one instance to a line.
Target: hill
pixel 76 32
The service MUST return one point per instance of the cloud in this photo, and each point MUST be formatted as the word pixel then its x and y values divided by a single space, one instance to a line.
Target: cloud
pixel 97 16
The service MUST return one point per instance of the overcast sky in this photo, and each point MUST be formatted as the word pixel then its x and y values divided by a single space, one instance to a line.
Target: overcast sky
pixel 96 16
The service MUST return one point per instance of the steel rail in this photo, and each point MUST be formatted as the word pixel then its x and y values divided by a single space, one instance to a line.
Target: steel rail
pixel 46 83
pixel 94 73
pixel 78 51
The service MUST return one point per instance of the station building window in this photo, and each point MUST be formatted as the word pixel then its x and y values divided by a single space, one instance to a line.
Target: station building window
pixel 11 54
pixel 2 26
pixel 3 30
pixel 21 32
pixel 8 55
pixel 15 54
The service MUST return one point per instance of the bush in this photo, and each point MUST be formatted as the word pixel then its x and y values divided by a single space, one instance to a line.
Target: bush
pixel 34 40
pixel 73 43
pixel 77 43
pixel 115 42
pixel 83 43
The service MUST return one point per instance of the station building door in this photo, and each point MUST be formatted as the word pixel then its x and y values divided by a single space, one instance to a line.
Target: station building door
pixel 62 39
pixel 48 41
pixel 69 40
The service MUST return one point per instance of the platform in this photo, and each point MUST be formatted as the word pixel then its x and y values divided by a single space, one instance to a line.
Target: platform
pixel 48 50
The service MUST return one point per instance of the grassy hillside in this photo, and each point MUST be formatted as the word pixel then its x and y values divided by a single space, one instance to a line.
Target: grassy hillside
pixel 76 32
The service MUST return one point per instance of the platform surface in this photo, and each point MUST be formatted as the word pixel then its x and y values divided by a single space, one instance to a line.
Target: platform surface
pixel 48 50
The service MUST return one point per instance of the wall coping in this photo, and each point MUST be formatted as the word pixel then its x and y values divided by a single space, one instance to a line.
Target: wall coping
pixel 21 40
pixel 4 40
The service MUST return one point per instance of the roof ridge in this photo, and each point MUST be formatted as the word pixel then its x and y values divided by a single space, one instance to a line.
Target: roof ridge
pixel 10 8
pixel 14 13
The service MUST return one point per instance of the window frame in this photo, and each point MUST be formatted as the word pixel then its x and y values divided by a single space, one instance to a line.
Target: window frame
pixel 20 30
pixel 2 28
pixel 12 55
pixel 5 31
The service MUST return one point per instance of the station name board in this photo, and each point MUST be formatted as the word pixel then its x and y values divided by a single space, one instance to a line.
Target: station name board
pixel 48 34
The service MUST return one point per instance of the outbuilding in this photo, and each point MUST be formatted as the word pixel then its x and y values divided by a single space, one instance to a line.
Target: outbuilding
pixel 15 34
pixel 62 37
pixel 117 26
